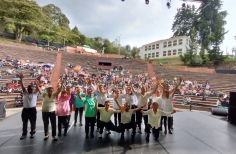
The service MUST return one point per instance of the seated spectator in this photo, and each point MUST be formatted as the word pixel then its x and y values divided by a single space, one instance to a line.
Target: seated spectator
pixel 189 100
pixel 185 100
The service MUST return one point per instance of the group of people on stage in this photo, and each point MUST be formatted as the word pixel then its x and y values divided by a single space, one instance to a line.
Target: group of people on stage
pixel 130 106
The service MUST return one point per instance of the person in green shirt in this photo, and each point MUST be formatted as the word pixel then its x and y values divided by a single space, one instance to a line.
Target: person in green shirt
pixel 79 98
pixel 90 113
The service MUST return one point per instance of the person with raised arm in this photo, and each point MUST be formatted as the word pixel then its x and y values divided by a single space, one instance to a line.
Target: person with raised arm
pixel 126 122
pixel 168 106
pixel 106 113
pixel 49 111
pixel 90 105
pixel 79 98
pixel 154 116
pixel 63 109
pixel 142 97
pixel 29 111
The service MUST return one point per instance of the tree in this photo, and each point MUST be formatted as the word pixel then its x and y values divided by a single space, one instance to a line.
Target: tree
pixel 58 18
pixel 211 28
pixel 184 21
pixel 184 58
pixel 128 48
pixel 134 52
pixel 23 14
pixel 76 30
pixel 193 46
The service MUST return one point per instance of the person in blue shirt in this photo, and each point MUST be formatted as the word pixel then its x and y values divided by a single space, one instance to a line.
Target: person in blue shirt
pixel 79 105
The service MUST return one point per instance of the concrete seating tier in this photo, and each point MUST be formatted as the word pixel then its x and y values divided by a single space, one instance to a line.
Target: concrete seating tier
pixel 21 53
pixel 221 83
pixel 79 59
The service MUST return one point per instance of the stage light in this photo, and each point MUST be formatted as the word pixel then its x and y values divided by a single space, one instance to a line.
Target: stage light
pixel 168 5
pixel 147 2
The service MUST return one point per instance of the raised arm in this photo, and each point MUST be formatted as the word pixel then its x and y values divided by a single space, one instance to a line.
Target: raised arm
pixel 115 99
pixel 173 92
pixel 21 82
pixel 37 87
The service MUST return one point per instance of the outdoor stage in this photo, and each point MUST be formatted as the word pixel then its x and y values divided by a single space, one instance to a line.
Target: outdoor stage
pixel 194 133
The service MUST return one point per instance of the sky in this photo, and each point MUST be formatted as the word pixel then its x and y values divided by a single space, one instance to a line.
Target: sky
pixel 134 22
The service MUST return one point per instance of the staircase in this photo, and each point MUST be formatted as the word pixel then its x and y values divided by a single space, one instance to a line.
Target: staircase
pixel 56 72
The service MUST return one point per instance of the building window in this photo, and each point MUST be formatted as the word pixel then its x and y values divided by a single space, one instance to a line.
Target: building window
pixel 149 47
pixel 149 55
pixel 153 55
pixel 153 47
pixel 169 53
pixel 145 48
pixel 174 42
pixel 174 52
pixel 164 53
pixel 145 55
pixel 165 44
pixel 169 43
pixel 157 46
pixel 179 51
pixel 180 41
pixel 157 54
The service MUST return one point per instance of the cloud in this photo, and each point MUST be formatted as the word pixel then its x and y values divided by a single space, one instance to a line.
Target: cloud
pixel 137 22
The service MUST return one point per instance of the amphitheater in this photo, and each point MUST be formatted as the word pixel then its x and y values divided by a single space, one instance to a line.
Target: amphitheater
pixel 219 82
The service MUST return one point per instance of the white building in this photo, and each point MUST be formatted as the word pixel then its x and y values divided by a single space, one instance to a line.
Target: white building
pixel 167 48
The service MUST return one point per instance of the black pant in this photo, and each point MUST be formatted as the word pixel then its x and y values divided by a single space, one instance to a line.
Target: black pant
pixel 98 116
pixel 155 131
pixel 117 115
pixel 31 115
pixel 122 127
pixel 89 121
pixel 168 120
pixel 63 120
pixel 80 111
pixel 133 115
pixel 139 116
pixel 52 117
pixel 109 125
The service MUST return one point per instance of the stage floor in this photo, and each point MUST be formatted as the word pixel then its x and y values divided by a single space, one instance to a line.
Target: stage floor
pixel 194 133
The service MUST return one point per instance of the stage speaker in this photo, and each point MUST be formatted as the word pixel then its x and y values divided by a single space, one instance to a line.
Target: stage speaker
pixel 232 108
pixel 218 111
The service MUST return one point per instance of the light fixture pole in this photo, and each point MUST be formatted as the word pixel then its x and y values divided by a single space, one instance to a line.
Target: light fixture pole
pixel 119 44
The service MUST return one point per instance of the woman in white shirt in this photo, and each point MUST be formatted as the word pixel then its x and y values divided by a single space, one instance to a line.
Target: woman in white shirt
pixel 154 116
pixel 48 111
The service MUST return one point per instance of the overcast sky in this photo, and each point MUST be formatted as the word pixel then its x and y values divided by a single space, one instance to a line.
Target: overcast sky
pixel 135 22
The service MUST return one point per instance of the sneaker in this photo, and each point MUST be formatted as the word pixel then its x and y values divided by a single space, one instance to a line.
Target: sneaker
pixel 22 137
pixel 91 135
pixel 55 138
pixel 122 136
pixel 132 137
pixel 46 137
pixel 32 136
pixel 100 135
pixel 140 131
pixel 170 132
pixel 109 132
pixel 147 138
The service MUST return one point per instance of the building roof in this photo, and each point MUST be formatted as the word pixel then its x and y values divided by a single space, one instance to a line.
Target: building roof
pixel 165 40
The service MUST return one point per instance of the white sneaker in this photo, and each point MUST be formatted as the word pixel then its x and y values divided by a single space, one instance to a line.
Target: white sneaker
pixel 109 132
pixel 100 135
